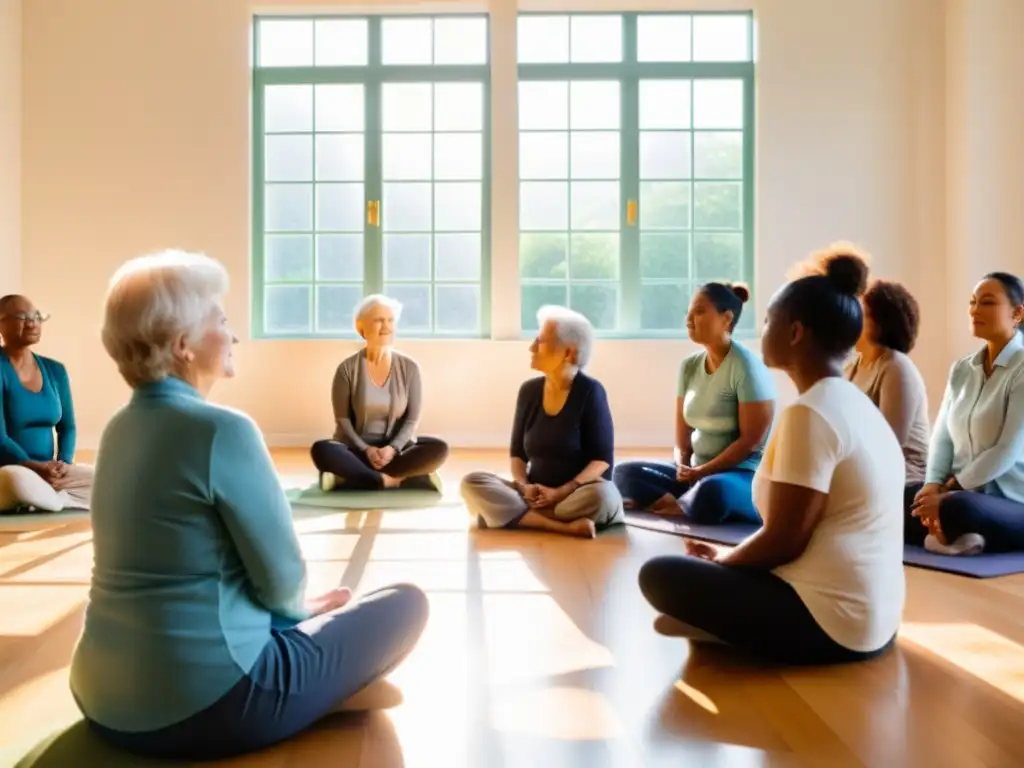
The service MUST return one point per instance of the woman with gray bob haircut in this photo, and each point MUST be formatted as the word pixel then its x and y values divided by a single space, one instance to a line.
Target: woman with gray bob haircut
pixel 199 641
pixel 563 442
pixel 377 396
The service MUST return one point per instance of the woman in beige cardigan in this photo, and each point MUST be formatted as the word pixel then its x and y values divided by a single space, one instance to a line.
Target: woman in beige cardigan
pixel 377 397
pixel 885 374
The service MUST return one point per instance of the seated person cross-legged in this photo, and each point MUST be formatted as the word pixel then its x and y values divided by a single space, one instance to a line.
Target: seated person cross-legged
pixel 822 580
pixel 724 411
pixel 37 420
pixel 200 642
pixel 973 497
pixel 377 397
pixel 563 442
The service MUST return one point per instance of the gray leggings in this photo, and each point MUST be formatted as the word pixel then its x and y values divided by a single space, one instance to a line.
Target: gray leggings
pixel 305 672
pixel 496 502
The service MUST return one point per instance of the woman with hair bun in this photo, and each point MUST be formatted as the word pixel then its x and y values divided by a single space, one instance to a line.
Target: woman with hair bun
pixel 822 580
pixel 724 410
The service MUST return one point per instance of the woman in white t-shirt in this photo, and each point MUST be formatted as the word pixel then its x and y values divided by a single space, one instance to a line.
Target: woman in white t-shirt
pixel 822 581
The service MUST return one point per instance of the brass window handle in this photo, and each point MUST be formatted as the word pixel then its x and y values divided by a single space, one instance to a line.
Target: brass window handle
pixel 373 213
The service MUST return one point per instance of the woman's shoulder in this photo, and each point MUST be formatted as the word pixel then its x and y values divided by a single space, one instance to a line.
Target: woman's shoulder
pixel 748 360
pixel 900 363
pixel 51 365
pixel 405 362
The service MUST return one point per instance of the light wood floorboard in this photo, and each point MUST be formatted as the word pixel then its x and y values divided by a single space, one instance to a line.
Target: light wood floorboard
pixel 540 652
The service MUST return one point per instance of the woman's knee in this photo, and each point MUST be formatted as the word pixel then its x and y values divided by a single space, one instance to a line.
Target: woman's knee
pixel 413 603
pixel 714 498
pixel 658 575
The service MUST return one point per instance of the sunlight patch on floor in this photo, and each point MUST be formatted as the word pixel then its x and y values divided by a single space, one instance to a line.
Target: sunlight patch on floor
pixel 29 611
pixel 557 712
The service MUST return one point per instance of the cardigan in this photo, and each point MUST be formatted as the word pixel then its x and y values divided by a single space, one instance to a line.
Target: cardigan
pixel 405 388
pixel 29 421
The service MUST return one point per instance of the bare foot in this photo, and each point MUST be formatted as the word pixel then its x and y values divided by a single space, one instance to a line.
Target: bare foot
pixel 389 481
pixel 666 505
pixel 583 528
pixel 630 504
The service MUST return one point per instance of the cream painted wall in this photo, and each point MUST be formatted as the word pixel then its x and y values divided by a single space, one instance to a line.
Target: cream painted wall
pixel 10 145
pixel 136 137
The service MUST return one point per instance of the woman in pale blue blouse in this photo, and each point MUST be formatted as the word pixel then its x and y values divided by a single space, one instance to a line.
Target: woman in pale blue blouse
pixel 973 497
pixel 723 414
pixel 199 641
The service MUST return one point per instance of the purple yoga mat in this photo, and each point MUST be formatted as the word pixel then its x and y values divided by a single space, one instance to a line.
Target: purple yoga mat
pixel 978 566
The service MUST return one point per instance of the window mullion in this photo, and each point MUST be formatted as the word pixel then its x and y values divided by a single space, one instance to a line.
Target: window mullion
pixel 629 180
pixel 373 265
pixel 256 328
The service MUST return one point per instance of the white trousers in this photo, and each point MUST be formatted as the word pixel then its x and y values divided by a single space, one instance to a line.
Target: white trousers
pixel 21 486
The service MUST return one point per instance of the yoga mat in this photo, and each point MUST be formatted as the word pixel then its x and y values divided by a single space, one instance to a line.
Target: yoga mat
pixel 398 498
pixel 977 566
pixel 31 521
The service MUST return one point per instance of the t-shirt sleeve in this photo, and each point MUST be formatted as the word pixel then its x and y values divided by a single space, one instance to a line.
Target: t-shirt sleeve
pixel 807 449
pixel 684 377
pixel 597 430
pixel 754 382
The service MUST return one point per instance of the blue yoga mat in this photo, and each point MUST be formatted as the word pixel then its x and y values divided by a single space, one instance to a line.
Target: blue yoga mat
pixel 977 566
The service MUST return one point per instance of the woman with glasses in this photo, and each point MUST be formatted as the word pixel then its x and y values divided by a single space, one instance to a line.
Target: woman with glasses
pixel 37 420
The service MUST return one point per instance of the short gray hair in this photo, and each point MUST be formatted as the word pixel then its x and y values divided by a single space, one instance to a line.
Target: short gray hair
pixel 571 328
pixel 376 300
pixel 151 301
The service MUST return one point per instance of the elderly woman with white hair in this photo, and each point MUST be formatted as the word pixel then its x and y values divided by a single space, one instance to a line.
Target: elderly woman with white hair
pixel 377 397
pixel 563 442
pixel 199 640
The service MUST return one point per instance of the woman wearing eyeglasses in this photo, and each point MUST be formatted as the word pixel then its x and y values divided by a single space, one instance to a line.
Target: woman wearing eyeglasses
pixel 37 420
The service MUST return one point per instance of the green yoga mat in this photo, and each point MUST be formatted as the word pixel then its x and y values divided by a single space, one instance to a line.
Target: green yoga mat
pixel 399 498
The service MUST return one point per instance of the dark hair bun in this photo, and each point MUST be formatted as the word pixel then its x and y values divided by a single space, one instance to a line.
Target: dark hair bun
pixel 848 273
pixel 741 291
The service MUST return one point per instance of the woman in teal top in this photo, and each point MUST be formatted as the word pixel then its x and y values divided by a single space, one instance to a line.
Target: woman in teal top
pixel 37 419
pixel 972 500
pixel 724 411
pixel 199 642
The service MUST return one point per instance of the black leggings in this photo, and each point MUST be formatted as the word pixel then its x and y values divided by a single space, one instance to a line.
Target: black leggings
pixel 417 459
pixel 999 521
pixel 754 611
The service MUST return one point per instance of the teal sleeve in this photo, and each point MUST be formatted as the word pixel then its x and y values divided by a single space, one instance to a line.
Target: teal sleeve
pixel 754 382
pixel 66 428
pixel 10 451
pixel 940 451
pixel 996 461
pixel 258 517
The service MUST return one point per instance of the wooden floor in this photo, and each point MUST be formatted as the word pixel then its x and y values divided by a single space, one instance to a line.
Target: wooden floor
pixel 539 652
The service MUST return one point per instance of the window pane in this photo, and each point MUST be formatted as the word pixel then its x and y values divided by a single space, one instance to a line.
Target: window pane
pixel 664 104
pixel 339 207
pixel 718 104
pixel 458 156
pixel 406 257
pixel 718 206
pixel 287 108
pixel 288 158
pixel 457 308
pixel 457 257
pixel 285 42
pixel 341 42
pixel 665 155
pixel 340 157
pixel 457 206
pixel 543 106
pixel 458 107
pixel 664 204
pixel 664 254
pixel 339 257
pixel 721 38
pixel 664 307
pixel 533 297
pixel 406 156
pixel 288 258
pixel 594 104
pixel 544 155
pixel 406 41
pixel 718 155
pixel 598 303
pixel 460 41
pixel 339 107
pixel 544 256
pixel 595 155
pixel 335 307
pixel 544 205
pixel 287 309
pixel 595 38
pixel 595 256
pixel 595 205
pixel 407 207
pixel 288 207
pixel 663 38
pixel 406 107
pixel 415 300
pixel 718 256
pixel 543 39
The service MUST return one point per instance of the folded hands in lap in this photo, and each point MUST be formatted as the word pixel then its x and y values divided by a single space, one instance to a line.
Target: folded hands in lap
pixel 53 472
pixel 380 457
pixel 329 601
pixel 701 550
pixel 541 497
pixel 928 502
